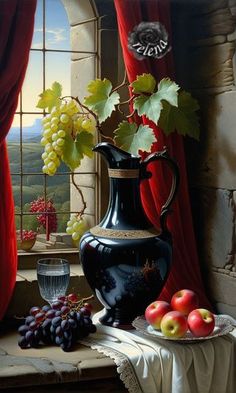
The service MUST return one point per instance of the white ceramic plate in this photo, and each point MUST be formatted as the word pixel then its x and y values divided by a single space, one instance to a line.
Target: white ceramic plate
pixel 222 326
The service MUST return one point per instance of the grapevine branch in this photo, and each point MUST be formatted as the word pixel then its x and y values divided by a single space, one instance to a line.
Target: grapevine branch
pixel 81 195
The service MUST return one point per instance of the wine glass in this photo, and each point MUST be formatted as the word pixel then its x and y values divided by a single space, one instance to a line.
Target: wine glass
pixel 53 278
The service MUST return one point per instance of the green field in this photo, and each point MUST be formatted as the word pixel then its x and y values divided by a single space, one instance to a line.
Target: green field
pixel 58 187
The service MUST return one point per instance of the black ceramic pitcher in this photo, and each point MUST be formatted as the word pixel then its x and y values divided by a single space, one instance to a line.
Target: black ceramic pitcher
pixel 125 259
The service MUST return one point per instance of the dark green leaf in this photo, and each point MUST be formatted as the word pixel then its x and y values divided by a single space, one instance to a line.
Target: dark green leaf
pixel 183 118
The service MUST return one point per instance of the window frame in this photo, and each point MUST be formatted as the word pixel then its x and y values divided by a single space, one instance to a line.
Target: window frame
pixel 70 9
pixel 109 64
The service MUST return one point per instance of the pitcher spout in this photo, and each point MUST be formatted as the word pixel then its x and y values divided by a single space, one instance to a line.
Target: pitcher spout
pixel 115 157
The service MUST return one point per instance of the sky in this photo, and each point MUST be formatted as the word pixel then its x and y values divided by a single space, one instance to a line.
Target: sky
pixel 57 65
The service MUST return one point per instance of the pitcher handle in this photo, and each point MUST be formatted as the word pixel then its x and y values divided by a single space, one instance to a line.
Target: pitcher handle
pixel 163 155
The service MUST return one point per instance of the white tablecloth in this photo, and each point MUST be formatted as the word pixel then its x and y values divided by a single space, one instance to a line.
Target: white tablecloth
pixel 160 366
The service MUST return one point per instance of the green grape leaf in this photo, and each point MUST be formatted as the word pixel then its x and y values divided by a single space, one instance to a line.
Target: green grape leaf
pixel 168 90
pixel 57 88
pixel 144 83
pixel 85 143
pixel 131 138
pixel 151 105
pixel 75 150
pixel 71 156
pixel 183 118
pixel 50 97
pixel 101 100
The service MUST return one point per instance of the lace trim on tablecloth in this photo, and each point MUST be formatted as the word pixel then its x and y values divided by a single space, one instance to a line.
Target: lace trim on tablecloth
pixel 124 367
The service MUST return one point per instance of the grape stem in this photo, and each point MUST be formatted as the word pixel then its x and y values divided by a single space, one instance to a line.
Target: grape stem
pixel 124 103
pixel 127 101
pixel 94 115
pixel 131 114
pixel 123 83
pixel 81 195
pixel 85 299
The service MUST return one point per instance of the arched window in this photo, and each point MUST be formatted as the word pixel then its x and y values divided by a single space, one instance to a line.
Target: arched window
pixel 64 49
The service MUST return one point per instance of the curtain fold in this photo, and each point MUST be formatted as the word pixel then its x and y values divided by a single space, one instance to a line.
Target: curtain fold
pixel 185 272
pixel 16 30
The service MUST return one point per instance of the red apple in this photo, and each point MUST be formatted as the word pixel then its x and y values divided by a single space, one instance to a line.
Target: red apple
pixel 201 322
pixel 155 311
pixel 174 324
pixel 184 301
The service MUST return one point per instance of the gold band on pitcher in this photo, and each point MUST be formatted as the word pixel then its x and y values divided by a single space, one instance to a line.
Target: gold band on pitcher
pixel 125 234
pixel 123 173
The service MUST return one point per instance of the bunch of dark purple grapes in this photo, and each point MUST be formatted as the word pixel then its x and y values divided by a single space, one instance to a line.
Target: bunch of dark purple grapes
pixel 67 320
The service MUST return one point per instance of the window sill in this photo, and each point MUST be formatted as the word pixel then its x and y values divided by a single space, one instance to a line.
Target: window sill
pixel 50 365
pixel 27 260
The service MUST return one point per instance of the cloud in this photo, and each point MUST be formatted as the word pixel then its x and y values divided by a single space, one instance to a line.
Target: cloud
pixel 53 36
pixel 37 45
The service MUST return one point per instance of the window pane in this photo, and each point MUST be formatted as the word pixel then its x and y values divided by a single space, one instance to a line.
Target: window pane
pixel 33 187
pixel 58 189
pixel 37 42
pixel 17 218
pixel 33 83
pixel 29 222
pixel 61 222
pixel 31 147
pixel 57 37
pixel 16 193
pixel 13 143
pixel 58 69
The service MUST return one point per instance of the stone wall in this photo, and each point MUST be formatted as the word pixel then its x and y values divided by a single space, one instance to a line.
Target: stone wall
pixel 204 44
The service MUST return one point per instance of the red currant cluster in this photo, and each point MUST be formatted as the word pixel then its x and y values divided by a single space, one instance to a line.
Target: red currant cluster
pixel 25 235
pixel 49 213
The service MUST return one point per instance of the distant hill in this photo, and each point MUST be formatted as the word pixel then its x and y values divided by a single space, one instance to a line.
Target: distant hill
pixel 30 133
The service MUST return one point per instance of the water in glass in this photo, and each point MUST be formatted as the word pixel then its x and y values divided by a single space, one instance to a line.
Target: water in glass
pixel 53 278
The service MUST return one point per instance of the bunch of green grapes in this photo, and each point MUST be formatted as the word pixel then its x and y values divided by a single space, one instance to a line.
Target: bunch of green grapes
pixel 84 123
pixel 76 227
pixel 62 120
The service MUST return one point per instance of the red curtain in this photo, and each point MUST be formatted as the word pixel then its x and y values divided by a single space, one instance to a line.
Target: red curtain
pixel 16 30
pixel 185 272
